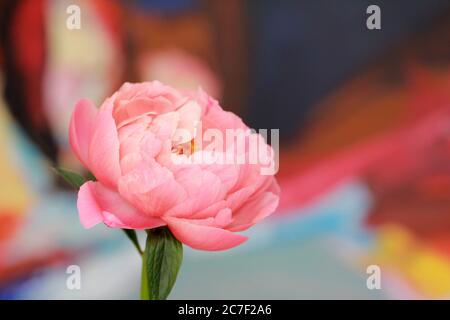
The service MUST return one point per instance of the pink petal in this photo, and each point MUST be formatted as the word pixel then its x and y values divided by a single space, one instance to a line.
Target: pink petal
pixel 274 187
pixel 130 162
pixel 129 216
pixel 236 199
pixel 151 188
pixel 194 181
pixel 219 119
pixel 80 129
pixel 227 173
pixel 127 111
pixel 204 100
pixel 150 146
pixel 147 89
pixel 144 178
pixel 104 148
pixel 164 126
pixel 98 203
pixel 204 237
pixel 88 209
pixel 124 132
pixel 142 142
pixel 250 175
pixel 189 120
pixel 223 218
pixel 253 211
pixel 132 144
pixel 210 211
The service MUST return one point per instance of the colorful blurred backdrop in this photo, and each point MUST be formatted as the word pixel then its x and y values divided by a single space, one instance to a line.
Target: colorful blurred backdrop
pixel 364 118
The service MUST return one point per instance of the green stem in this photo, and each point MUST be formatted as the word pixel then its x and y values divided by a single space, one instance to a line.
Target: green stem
pixel 144 279
pixel 161 262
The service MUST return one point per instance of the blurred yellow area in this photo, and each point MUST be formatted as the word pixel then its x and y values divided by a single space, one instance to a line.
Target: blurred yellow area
pixel 427 270
pixel 15 197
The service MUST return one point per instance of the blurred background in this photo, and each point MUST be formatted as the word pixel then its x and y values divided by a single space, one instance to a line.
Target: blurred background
pixel 364 118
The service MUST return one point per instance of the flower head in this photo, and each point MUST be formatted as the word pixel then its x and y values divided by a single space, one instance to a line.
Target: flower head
pixel 146 147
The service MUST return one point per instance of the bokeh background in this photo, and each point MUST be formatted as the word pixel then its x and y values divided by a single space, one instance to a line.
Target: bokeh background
pixel 364 118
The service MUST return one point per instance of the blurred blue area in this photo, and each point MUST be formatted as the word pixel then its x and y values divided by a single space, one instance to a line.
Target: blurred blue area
pixel 301 50
pixel 164 6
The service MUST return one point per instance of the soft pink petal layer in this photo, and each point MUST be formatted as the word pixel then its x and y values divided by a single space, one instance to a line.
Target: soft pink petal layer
pixel 253 211
pixel 104 148
pixel 96 203
pixel 88 209
pixel 151 89
pixel 203 237
pixel 151 188
pixel 189 119
pixel 126 111
pixel 80 129
pixel 203 189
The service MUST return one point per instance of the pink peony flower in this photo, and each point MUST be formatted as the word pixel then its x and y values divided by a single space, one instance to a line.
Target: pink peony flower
pixel 130 144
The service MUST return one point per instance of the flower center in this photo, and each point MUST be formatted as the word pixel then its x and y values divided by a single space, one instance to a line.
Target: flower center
pixel 187 148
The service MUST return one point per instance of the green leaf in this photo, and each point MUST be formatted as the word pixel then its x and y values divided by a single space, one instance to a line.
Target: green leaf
pixel 131 234
pixel 90 177
pixel 161 261
pixel 74 179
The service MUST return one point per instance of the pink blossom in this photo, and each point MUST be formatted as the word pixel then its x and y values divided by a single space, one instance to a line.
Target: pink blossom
pixel 129 144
